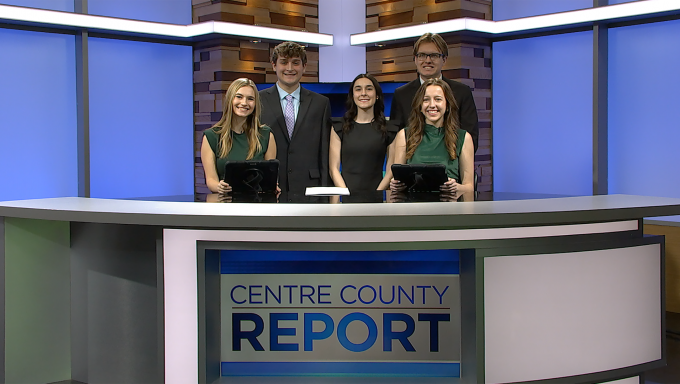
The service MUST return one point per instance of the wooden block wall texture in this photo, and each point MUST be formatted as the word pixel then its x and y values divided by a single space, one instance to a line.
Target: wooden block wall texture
pixel 300 15
pixel 469 58
pixel 385 14
pixel 672 234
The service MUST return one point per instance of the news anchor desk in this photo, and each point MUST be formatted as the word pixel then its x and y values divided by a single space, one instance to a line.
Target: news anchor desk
pixel 563 290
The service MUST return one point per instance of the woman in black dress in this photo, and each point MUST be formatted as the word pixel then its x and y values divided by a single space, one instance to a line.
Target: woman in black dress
pixel 360 143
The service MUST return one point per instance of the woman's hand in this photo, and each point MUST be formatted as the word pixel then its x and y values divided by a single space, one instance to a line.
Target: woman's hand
pixel 451 186
pixel 223 188
pixel 396 197
pixel 448 197
pixel 397 186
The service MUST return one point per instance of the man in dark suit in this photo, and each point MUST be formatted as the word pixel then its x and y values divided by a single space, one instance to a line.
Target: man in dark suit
pixel 300 121
pixel 430 53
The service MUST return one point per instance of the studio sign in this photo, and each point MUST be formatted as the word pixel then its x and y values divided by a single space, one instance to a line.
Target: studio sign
pixel 340 317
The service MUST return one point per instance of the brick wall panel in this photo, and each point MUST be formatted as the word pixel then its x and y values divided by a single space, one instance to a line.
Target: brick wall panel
pixel 206 105
pixel 480 73
pixel 289 20
pixel 312 24
pixel 298 9
pixel 263 4
pixel 204 96
pixel 297 15
pixel 201 118
pixel 254 55
pixel 423 9
pixel 203 76
pixel 395 19
pixel 228 17
pixel 390 53
pixel 387 7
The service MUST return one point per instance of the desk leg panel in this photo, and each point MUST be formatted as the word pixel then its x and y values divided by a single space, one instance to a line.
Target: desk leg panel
pixel 36 301
pixel 114 303
pixel 570 313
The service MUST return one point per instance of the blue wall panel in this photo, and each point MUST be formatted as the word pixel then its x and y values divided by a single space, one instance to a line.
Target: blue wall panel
pixel 542 115
pixel 141 119
pixel 162 11
pixel 513 9
pixel 54 5
pixel 38 126
pixel 643 109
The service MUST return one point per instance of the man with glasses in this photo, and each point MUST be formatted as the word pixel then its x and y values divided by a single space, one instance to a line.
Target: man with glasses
pixel 430 53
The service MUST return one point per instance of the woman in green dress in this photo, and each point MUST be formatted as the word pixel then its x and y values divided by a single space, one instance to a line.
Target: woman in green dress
pixel 433 136
pixel 237 136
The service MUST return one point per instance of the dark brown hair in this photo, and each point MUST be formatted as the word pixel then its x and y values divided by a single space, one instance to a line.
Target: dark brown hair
pixel 352 109
pixel 290 50
pixel 416 123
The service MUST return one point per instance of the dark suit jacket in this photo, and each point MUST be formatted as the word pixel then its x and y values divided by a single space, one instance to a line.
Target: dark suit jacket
pixel 467 111
pixel 304 157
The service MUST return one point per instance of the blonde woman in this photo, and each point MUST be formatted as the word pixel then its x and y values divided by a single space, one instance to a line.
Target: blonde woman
pixel 237 136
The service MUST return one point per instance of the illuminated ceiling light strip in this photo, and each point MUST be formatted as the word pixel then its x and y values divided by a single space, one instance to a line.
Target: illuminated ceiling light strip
pixel 271 33
pixel 611 12
pixel 410 31
pixel 638 8
pixel 76 20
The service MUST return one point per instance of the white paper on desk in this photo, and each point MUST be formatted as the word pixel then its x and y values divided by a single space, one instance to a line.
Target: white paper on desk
pixel 326 191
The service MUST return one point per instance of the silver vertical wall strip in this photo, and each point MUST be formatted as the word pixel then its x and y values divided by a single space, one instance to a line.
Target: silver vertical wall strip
pixel 600 106
pixel 83 102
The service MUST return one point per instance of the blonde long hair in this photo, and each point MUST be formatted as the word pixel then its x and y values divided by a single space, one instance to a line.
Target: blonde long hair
pixel 416 121
pixel 251 128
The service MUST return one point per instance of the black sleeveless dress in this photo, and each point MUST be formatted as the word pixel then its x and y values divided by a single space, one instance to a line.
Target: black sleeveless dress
pixel 362 155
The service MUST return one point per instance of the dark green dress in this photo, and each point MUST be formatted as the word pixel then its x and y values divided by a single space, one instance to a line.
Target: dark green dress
pixel 432 150
pixel 239 147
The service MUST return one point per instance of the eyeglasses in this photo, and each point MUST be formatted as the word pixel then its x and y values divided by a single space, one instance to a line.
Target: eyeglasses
pixel 433 56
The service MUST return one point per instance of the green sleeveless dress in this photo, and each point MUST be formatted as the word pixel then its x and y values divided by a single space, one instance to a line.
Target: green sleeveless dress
pixel 432 150
pixel 239 147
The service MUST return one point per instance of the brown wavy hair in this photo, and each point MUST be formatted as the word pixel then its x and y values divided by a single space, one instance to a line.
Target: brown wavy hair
pixel 223 128
pixel 416 121
pixel 290 50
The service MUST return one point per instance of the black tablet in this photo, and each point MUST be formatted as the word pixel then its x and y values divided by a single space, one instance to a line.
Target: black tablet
pixel 252 176
pixel 420 177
